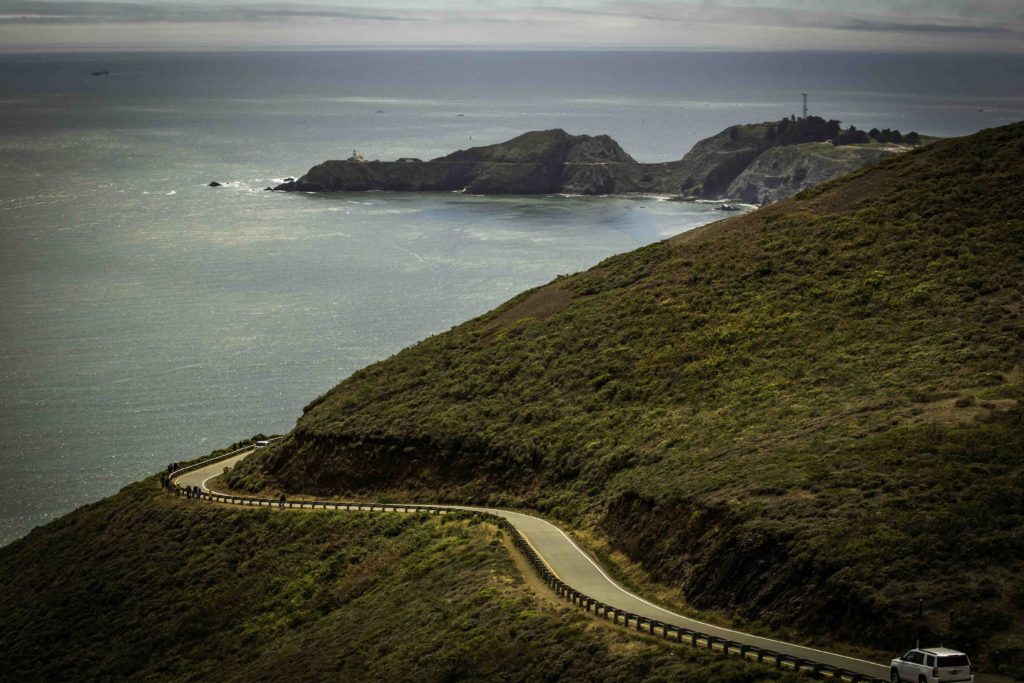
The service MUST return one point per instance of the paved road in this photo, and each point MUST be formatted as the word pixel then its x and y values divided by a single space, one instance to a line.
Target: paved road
pixel 200 476
pixel 575 568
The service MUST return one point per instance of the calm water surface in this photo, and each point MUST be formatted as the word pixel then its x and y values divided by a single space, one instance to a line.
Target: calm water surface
pixel 147 317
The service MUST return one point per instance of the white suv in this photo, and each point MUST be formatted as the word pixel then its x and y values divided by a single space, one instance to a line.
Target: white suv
pixel 932 665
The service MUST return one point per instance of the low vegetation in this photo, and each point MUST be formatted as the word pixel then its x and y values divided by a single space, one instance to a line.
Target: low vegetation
pixel 807 418
pixel 147 587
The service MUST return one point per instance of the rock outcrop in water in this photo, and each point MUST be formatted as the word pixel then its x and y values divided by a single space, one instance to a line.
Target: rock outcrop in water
pixel 741 162
pixel 538 162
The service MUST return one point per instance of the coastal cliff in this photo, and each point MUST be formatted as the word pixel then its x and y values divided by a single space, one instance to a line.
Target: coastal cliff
pixel 739 163
pixel 781 172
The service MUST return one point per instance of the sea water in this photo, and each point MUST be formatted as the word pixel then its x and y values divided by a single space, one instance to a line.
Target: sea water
pixel 148 318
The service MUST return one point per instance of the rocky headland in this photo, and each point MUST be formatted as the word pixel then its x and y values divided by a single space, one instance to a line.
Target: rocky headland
pixel 753 163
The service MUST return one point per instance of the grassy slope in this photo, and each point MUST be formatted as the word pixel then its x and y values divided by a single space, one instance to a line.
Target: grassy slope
pixel 807 416
pixel 143 586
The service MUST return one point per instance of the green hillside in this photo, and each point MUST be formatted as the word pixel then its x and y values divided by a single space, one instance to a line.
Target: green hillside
pixel 807 417
pixel 146 587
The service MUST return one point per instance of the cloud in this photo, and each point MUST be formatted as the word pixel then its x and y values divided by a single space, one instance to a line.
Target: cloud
pixel 35 11
pixel 911 16
pixel 979 25
pixel 865 25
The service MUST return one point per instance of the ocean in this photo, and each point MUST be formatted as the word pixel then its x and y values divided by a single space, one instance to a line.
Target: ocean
pixel 148 318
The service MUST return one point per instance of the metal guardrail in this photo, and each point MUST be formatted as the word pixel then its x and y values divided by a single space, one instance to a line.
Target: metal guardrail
pixel 628 619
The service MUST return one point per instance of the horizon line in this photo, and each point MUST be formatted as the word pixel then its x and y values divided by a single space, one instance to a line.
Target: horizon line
pixel 401 47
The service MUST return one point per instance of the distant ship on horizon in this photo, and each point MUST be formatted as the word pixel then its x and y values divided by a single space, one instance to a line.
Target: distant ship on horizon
pixel 101 72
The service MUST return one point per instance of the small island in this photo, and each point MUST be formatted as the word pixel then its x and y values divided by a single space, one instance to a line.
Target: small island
pixel 752 163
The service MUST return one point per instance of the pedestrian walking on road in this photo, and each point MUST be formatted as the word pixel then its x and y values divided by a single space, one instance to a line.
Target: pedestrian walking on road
pixel 280 502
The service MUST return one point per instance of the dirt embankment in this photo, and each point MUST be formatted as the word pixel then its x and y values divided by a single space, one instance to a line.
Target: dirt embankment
pixel 722 565
pixel 450 471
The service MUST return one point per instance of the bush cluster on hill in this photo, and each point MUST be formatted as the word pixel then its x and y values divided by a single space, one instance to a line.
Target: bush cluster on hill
pixel 794 131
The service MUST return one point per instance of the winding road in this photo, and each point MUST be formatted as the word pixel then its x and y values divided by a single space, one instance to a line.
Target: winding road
pixel 575 568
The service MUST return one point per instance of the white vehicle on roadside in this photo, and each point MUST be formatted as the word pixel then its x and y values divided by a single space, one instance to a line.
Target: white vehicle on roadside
pixel 932 665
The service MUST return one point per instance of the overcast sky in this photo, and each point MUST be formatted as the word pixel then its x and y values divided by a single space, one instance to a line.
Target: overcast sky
pixel 933 25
